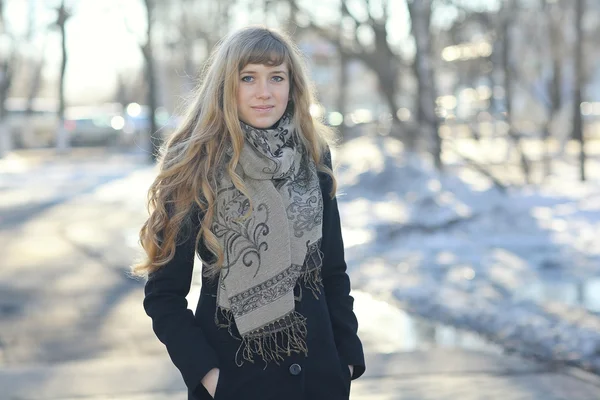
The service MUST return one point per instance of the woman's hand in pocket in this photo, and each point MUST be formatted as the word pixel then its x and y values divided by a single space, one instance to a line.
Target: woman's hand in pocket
pixel 210 381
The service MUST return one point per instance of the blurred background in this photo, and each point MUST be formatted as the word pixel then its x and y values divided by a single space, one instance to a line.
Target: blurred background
pixel 468 165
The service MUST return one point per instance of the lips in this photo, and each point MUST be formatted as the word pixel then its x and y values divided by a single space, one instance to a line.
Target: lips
pixel 260 110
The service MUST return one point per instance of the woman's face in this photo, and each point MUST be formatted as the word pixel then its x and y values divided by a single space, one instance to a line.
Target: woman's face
pixel 262 94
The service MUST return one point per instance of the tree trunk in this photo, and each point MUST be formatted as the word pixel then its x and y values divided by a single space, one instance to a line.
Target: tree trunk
pixel 151 96
pixel 290 24
pixel 343 77
pixel 27 138
pixel 342 91
pixel 6 68
pixel 420 13
pixel 62 139
pixel 5 83
pixel 188 46
pixel 556 104
pixel 578 133
pixel 399 129
pixel 554 85
pixel 508 81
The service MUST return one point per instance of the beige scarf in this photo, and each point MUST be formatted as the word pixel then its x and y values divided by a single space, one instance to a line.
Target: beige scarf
pixel 269 248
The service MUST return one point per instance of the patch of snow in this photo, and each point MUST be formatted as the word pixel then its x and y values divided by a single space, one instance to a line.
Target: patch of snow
pixel 513 266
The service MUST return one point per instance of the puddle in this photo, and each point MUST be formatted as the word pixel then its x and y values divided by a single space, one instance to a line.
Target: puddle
pixel 385 328
pixel 585 294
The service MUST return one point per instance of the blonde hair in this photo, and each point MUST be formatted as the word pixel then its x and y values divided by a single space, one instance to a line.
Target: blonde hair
pixel 190 158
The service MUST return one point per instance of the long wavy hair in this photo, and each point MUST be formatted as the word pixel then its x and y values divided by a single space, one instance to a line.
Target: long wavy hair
pixel 190 158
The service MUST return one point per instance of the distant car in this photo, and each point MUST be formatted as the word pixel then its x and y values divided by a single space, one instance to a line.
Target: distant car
pixel 137 123
pixel 101 130
pixel 31 128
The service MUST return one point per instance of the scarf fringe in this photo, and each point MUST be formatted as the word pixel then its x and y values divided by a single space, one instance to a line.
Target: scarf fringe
pixel 271 342
pixel 227 315
pixel 313 280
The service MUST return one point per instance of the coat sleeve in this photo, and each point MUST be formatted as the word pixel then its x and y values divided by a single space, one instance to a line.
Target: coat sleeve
pixel 173 323
pixel 337 286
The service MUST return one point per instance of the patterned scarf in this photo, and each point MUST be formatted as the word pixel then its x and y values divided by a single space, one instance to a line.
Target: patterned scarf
pixel 270 247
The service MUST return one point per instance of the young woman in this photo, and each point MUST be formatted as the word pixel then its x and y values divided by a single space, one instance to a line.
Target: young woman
pixel 247 184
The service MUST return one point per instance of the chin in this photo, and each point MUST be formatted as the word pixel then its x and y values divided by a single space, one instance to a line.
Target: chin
pixel 262 123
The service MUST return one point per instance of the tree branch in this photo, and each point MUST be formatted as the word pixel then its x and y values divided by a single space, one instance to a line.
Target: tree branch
pixel 477 167
pixel 347 12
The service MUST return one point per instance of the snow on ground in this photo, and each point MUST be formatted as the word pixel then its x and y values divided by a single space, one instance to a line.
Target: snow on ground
pixel 474 257
pixel 31 183
pixel 402 210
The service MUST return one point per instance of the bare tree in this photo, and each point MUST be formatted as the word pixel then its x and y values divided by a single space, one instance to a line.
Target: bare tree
pixel 466 70
pixel 290 25
pixel 148 53
pixel 62 139
pixel 123 91
pixel 20 75
pixel 420 15
pixel 188 32
pixel 503 65
pixel 180 18
pixel 578 133
pixel 380 58
pixel 343 77
pixel 378 55
pixel 507 17
pixel 6 63
pixel 554 102
pixel 36 63
pixel 182 44
pixel 7 66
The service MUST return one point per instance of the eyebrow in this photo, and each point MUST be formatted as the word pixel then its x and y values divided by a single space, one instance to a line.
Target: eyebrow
pixel 249 71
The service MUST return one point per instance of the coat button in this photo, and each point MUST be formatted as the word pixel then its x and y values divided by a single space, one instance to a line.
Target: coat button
pixel 295 369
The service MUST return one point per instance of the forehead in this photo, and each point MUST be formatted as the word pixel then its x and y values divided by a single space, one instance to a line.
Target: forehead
pixel 265 49
pixel 265 68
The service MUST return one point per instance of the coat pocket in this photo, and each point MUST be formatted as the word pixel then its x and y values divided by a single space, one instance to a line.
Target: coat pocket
pixel 219 387
pixel 347 377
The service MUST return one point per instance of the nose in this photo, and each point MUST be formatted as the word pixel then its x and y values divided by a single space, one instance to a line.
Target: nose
pixel 263 91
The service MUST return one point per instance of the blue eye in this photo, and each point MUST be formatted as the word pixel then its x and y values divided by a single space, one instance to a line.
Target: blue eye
pixel 246 78
pixel 278 78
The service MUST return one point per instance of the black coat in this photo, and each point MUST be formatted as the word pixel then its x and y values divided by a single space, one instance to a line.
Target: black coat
pixel 196 345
